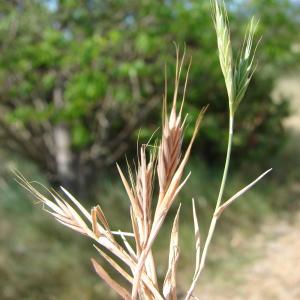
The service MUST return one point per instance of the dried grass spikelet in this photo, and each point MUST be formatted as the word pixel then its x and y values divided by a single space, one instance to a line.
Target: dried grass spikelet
pixel 135 263
pixel 95 226
pixel 144 189
pixel 170 167
pixel 140 190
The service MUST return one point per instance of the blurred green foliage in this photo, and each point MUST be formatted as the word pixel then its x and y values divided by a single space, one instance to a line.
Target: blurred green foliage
pixel 107 58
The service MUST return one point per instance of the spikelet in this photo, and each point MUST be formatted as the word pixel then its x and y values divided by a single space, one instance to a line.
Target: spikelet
pixel 170 168
pixel 169 152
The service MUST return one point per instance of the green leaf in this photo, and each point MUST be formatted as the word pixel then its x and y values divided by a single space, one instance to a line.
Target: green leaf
pixel 81 136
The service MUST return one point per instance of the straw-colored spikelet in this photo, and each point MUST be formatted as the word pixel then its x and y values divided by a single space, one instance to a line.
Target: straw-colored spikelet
pixel 168 162
pixel 170 147
pixel 170 168
pixel 95 226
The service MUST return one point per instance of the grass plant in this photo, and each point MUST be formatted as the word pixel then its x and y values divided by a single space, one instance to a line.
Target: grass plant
pixel 130 253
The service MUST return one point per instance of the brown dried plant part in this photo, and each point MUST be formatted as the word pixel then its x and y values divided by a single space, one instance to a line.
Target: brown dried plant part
pixel 170 168
pixel 169 286
pixel 168 163
pixel 95 226
pixel 172 134
pixel 140 192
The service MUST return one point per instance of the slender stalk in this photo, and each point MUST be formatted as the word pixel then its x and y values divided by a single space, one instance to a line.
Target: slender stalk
pixel 218 204
pixel 221 192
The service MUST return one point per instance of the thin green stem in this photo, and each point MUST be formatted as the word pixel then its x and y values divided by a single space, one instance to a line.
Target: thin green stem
pixel 219 201
pixel 221 192
pixel 226 167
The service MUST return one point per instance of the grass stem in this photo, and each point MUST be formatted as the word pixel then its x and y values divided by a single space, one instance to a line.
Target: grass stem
pixel 218 204
pixel 220 196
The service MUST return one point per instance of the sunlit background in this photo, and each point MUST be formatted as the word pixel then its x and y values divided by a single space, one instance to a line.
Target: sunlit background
pixel 82 81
